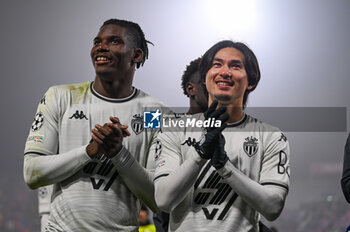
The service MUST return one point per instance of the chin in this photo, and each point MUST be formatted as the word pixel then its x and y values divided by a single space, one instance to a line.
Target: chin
pixel 223 98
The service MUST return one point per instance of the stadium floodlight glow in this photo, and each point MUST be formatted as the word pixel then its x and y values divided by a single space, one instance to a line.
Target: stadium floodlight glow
pixel 230 16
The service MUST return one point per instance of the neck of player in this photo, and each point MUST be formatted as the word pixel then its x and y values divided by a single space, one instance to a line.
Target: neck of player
pixel 234 110
pixel 195 108
pixel 113 88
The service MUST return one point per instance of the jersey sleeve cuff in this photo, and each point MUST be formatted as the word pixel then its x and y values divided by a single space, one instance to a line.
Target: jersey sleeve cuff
pixel 197 159
pixel 122 158
pixel 83 154
pixel 226 170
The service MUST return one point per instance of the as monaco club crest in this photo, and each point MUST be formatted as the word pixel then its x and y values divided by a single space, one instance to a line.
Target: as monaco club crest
pixel 137 124
pixel 250 146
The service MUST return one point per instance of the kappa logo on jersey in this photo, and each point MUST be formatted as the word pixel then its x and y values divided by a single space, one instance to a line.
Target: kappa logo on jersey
pixel 213 194
pixel 43 100
pixel 38 122
pixel 250 146
pixel 158 149
pixel 283 137
pixel 78 115
pixel 137 124
pixel 190 142
pixel 152 119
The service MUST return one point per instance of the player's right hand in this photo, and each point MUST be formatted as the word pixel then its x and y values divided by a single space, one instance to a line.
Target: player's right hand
pixel 124 128
pixel 110 136
pixel 219 158
pixel 94 150
pixel 208 143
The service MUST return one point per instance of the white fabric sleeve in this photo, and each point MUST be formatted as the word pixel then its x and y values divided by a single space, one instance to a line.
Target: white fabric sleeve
pixel 42 170
pixel 267 200
pixel 43 136
pixel 172 189
pixel 138 179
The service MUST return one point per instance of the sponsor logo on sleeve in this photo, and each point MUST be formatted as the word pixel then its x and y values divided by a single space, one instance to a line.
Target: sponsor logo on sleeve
pixel 35 138
pixel 161 163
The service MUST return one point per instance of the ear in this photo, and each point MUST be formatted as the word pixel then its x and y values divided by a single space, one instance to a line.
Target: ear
pixel 138 55
pixel 250 87
pixel 190 89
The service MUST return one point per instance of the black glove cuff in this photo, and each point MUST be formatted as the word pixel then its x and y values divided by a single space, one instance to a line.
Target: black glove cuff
pixel 200 151
pixel 221 163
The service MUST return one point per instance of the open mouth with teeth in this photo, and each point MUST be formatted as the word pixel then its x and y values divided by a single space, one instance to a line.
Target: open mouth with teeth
pixel 224 83
pixel 102 59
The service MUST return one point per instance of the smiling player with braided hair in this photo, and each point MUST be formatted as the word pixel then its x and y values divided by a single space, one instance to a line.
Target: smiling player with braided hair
pixel 97 182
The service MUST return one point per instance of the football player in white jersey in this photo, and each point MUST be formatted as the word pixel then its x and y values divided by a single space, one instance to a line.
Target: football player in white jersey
pixel 193 87
pixel 345 180
pixel 224 176
pixel 96 187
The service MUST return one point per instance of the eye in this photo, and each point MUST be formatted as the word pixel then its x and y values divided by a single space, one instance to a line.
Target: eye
pixel 96 42
pixel 236 65
pixel 115 42
pixel 216 64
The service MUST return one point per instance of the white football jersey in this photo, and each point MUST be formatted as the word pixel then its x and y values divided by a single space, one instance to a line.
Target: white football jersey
pixel 257 149
pixel 94 198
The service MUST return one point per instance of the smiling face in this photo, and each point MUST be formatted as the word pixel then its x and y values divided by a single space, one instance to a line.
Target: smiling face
pixel 227 80
pixel 113 53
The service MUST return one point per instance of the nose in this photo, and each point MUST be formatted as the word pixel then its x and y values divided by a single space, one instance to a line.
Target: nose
pixel 225 72
pixel 102 47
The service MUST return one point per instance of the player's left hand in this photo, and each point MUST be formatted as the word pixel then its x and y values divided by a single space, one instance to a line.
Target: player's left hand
pixel 117 123
pixel 110 136
pixel 208 143
pixel 219 158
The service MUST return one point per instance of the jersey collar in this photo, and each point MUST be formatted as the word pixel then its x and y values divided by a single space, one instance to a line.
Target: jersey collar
pixel 132 95
pixel 235 124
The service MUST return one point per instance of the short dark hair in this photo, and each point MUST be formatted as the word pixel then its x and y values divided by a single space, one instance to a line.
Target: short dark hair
pixel 250 63
pixel 191 69
pixel 136 33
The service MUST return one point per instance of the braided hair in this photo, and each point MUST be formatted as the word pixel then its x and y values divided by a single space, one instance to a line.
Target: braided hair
pixel 136 33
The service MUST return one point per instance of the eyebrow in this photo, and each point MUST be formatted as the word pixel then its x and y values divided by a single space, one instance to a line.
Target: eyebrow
pixel 231 61
pixel 110 38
